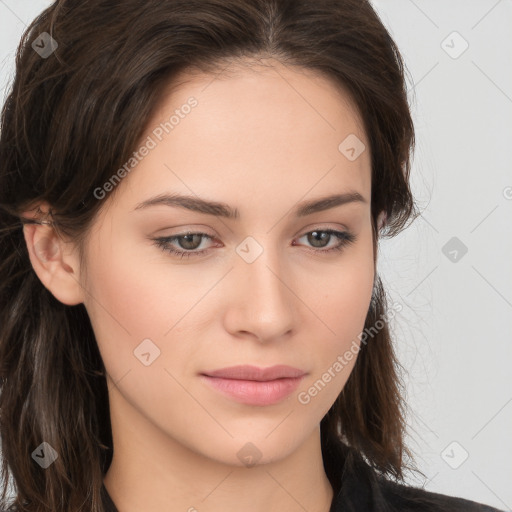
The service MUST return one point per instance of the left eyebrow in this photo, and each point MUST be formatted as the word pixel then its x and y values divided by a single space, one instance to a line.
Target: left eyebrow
pixel 218 209
pixel 328 202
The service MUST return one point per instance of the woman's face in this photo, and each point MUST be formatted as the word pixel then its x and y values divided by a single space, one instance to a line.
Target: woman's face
pixel 270 287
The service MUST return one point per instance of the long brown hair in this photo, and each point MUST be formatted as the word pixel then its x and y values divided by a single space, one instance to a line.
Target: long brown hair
pixel 75 116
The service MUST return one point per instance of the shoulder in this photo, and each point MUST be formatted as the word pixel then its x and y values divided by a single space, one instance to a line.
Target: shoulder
pixel 408 498
pixel 362 489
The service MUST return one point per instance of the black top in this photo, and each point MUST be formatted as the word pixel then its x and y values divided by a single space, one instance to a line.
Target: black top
pixel 368 493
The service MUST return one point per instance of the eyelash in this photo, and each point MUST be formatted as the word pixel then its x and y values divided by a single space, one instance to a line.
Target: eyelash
pixel 345 237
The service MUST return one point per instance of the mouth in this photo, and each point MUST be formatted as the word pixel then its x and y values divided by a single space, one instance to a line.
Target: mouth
pixel 248 372
pixel 255 386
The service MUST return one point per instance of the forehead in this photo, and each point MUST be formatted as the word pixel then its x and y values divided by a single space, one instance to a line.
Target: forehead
pixel 257 129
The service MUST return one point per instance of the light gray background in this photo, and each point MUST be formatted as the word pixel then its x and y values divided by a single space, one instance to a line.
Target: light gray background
pixel 454 334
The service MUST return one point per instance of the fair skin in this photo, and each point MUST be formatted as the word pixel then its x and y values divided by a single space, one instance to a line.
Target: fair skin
pixel 262 141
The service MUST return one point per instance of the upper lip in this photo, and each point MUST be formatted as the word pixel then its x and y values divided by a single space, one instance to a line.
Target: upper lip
pixel 248 372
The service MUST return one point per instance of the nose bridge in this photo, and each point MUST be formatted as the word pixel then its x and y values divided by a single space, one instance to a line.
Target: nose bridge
pixel 265 301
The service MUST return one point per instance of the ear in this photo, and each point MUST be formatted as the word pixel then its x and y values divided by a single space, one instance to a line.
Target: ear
pixel 381 219
pixel 54 260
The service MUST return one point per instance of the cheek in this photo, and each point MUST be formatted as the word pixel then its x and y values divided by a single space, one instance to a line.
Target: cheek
pixel 123 303
pixel 348 305
pixel 342 309
pixel 342 291
pixel 133 298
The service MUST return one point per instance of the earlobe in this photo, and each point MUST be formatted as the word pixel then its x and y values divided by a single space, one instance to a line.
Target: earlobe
pixel 54 262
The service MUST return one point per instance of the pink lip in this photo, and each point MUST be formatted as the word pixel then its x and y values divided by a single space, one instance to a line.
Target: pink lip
pixel 255 386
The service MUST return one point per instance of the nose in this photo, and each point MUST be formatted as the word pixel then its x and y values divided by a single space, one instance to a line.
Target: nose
pixel 261 302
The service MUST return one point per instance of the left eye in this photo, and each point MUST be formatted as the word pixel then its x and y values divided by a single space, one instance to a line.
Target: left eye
pixel 189 242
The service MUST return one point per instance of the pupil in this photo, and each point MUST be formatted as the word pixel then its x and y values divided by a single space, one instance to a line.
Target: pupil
pixel 316 235
pixel 188 242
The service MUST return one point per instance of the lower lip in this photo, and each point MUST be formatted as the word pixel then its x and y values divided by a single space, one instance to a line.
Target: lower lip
pixel 253 392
